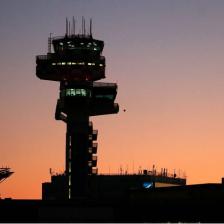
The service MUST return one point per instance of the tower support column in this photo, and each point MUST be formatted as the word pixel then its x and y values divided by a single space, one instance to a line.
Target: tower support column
pixel 77 137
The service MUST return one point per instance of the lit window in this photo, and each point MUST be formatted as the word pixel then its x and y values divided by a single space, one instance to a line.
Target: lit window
pixel 73 63
pixel 94 43
pixel 81 43
pixel 89 63
pixel 72 92
pixel 90 163
pixel 63 63
pixel 68 92
pixel 95 49
pixel 69 63
pixel 70 167
pixel 59 63
pixel 81 63
pixel 93 63
pixel 69 180
pixel 78 91
pixel 100 65
pixel 83 92
pixel 90 150
pixel 70 141
pixel 147 185
pixel 53 63
pixel 61 43
pixel 69 193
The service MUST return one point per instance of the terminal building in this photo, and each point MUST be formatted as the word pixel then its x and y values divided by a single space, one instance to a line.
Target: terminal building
pixel 112 186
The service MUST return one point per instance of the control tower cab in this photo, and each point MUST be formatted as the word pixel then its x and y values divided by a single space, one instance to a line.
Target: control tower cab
pixel 76 57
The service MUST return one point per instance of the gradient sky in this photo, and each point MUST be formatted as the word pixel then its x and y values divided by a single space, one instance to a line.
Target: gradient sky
pixel 167 57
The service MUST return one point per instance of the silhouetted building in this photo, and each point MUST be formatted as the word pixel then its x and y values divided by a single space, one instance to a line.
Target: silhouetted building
pixel 113 186
pixel 77 63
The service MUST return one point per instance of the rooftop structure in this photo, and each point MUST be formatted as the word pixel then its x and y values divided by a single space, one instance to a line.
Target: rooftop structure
pixel 113 186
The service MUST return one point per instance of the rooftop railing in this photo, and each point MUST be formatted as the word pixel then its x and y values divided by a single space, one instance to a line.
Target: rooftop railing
pixel 87 36
pixel 168 175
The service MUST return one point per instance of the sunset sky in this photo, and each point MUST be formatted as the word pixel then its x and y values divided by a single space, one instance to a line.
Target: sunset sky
pixel 167 57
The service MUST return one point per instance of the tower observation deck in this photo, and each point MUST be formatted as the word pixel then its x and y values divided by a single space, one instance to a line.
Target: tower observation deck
pixel 77 63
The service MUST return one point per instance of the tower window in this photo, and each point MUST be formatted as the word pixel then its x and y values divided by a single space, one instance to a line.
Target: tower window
pixel 77 92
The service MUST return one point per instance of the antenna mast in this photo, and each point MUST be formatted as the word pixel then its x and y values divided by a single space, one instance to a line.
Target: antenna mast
pixel 69 28
pixel 49 43
pixel 90 27
pixel 66 33
pixel 84 25
pixel 73 23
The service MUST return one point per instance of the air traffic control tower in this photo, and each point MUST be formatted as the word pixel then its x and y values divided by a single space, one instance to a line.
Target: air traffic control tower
pixel 77 63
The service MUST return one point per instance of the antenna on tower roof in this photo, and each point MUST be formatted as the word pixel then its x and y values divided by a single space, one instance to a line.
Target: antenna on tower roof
pixel 90 27
pixel 73 24
pixel 49 43
pixel 66 32
pixel 69 28
pixel 84 26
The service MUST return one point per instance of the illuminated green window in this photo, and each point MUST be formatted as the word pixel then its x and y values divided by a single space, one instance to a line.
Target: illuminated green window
pixel 69 180
pixel 76 92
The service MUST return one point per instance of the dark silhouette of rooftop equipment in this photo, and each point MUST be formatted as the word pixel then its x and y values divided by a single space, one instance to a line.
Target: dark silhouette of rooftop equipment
pixel 5 172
